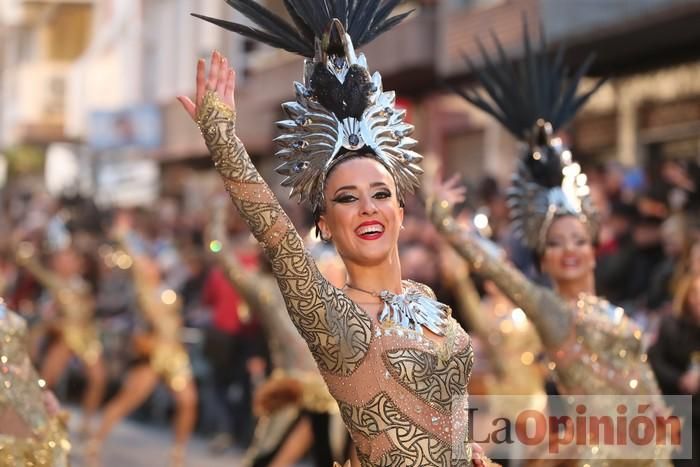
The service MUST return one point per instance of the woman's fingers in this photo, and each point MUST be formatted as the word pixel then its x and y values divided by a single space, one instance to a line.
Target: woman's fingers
pixel 221 80
pixel 201 81
pixel 188 105
pixel 454 180
pixel 214 68
pixel 230 87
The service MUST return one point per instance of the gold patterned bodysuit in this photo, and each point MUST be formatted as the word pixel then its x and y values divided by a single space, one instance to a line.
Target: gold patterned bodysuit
pixel 161 309
pixel 29 436
pixel 76 305
pixel 594 348
pixel 402 396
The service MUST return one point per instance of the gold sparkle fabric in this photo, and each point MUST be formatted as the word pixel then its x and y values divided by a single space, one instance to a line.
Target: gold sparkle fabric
pixel 594 348
pixel 402 395
pixel 161 309
pixel 76 305
pixel 29 436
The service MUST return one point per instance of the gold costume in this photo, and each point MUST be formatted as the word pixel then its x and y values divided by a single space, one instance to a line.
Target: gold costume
pixel 76 304
pixel 295 383
pixel 29 436
pixel 594 348
pixel 161 309
pixel 510 343
pixel 402 396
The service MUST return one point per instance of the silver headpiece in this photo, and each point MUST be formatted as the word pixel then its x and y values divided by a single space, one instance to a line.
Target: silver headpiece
pixel 533 100
pixel 533 206
pixel 314 139
pixel 340 109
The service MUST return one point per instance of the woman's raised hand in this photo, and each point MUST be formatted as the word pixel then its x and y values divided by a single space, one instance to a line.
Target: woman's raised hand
pixel 221 79
pixel 450 190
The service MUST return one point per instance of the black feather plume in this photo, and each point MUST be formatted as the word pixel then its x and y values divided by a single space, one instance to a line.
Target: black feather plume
pixel 363 20
pixel 537 87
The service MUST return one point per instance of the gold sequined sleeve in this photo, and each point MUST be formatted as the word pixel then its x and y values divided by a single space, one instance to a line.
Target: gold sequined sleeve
pixel 470 311
pixel 546 311
pixel 257 289
pixel 144 292
pixel 161 312
pixel 46 278
pixel 335 330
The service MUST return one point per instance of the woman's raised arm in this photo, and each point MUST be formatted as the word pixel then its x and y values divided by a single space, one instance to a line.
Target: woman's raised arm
pixel 326 318
pixel 546 311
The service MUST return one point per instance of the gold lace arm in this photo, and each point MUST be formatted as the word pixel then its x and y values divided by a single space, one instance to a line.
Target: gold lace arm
pixel 336 331
pixel 144 292
pixel 164 317
pixel 26 257
pixel 471 312
pixel 549 315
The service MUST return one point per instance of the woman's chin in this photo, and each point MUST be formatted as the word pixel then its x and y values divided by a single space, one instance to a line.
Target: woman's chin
pixel 570 276
pixel 368 258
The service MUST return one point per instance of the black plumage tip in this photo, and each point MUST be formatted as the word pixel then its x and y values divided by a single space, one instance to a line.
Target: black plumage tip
pixel 363 20
pixel 538 86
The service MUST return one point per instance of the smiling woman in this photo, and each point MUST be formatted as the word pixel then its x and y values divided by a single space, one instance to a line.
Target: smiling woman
pixel 594 349
pixel 364 213
pixel 392 357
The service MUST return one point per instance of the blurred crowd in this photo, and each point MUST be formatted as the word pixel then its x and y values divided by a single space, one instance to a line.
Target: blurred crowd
pixel 648 261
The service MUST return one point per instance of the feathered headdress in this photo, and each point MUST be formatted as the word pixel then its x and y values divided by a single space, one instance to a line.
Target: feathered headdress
pixel 533 99
pixel 340 108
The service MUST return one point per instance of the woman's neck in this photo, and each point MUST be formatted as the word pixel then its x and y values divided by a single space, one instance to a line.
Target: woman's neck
pixel 571 290
pixel 376 278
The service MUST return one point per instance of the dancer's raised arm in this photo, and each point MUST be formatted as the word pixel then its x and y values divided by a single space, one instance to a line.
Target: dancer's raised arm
pixel 26 257
pixel 308 295
pixel 541 305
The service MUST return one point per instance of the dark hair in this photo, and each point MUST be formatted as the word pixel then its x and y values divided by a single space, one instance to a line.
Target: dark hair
pixel 318 209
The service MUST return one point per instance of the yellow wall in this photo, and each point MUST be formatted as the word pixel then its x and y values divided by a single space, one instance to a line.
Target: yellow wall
pixel 67 32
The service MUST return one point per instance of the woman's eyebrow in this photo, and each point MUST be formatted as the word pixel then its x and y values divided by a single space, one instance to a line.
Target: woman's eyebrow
pixel 346 187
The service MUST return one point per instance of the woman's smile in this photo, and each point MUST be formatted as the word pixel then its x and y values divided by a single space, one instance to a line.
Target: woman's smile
pixel 370 230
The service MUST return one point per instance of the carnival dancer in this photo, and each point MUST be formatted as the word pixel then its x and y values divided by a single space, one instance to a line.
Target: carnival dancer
pixel 32 432
pixel 392 357
pixel 164 357
pixel 594 348
pixel 74 332
pixel 293 405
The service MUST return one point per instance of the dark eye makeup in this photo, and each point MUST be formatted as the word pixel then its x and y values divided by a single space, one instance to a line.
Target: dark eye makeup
pixel 345 198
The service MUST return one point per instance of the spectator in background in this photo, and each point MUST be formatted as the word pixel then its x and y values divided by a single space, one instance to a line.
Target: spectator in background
pixel 675 357
pixel 675 241
pixel 232 348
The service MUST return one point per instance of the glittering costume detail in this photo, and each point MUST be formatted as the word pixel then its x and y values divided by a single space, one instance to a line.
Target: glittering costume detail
pixel 534 99
pixel 594 347
pixel 29 436
pixel 389 423
pixel 313 140
pixel 168 358
pixel 76 304
pixel 414 310
pixel 534 207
